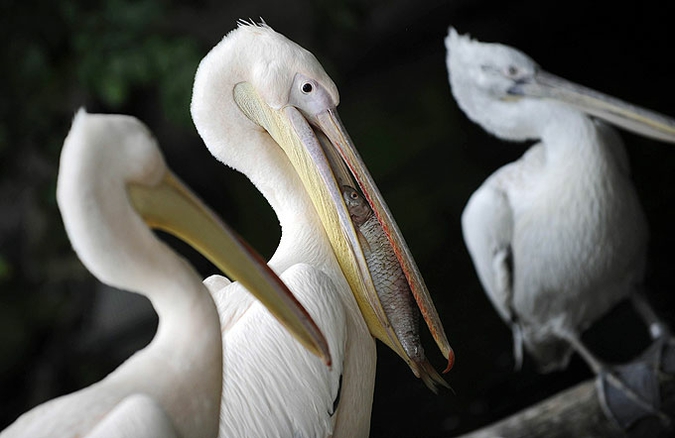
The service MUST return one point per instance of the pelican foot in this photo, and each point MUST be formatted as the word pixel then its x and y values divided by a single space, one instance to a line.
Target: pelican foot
pixel 629 394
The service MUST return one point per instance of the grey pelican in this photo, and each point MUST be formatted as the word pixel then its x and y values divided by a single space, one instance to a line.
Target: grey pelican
pixel 265 107
pixel 559 236
pixel 112 184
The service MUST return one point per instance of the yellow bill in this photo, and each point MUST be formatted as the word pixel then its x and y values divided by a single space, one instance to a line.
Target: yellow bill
pixel 173 208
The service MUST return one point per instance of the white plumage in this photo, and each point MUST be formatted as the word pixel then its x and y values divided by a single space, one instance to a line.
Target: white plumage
pixel 172 388
pixel 557 237
pixel 262 104
pixel 288 393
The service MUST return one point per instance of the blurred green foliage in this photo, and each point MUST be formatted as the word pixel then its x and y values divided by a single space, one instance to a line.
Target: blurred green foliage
pixel 106 56
pixel 388 60
pixel 64 55
pixel 5 270
pixel 104 51
pixel 123 46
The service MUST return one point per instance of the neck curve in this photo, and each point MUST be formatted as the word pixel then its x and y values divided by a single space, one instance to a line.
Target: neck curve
pixel 571 136
pixel 185 356
pixel 246 147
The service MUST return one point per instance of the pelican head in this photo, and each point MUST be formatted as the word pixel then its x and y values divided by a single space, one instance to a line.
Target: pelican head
pixel 115 158
pixel 258 94
pixel 506 92
pixel 131 157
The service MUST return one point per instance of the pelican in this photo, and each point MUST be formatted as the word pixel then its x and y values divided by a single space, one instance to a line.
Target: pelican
pixel 559 236
pixel 112 178
pixel 265 107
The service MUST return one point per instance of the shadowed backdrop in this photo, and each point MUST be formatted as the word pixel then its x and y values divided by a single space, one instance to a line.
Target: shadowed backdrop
pixel 60 330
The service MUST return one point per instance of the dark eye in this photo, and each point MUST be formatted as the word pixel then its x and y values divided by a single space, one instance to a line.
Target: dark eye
pixel 511 70
pixel 307 87
pixel 354 195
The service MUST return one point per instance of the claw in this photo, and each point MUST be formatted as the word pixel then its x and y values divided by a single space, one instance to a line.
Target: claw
pixel 630 393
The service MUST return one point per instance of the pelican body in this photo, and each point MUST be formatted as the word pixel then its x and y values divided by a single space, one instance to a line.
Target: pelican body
pixel 557 237
pixel 265 107
pixel 112 183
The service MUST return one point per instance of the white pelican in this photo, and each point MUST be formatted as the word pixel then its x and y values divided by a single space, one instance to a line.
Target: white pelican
pixel 264 106
pixel 112 177
pixel 558 237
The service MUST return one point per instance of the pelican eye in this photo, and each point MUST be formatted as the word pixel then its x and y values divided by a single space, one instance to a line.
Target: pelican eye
pixel 511 70
pixel 307 87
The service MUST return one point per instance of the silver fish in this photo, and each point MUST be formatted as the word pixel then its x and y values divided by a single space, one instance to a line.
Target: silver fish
pixel 391 285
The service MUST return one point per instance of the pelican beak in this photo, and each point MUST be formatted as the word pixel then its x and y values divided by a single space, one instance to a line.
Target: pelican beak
pixel 172 207
pixel 630 117
pixel 324 157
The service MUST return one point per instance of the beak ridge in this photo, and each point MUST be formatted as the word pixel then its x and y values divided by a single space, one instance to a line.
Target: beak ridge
pixel 623 114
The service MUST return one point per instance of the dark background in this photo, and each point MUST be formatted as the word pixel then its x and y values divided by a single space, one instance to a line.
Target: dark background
pixel 60 330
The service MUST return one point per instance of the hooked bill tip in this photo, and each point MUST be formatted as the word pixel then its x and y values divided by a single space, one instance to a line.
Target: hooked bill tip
pixel 451 362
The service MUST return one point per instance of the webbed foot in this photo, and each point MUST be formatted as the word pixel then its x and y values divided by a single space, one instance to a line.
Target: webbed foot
pixel 630 395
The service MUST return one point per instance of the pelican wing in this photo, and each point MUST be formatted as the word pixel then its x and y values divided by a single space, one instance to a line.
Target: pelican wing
pixel 487 226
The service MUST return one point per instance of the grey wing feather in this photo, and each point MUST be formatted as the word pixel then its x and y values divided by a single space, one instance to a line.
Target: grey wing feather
pixel 487 226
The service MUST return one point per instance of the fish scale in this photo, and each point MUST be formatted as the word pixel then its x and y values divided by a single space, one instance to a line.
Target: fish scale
pixel 392 287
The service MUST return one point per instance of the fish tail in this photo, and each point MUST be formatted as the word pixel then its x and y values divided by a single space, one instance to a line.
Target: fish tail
pixel 425 371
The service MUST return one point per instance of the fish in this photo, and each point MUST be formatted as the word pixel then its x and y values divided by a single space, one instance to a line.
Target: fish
pixel 391 285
